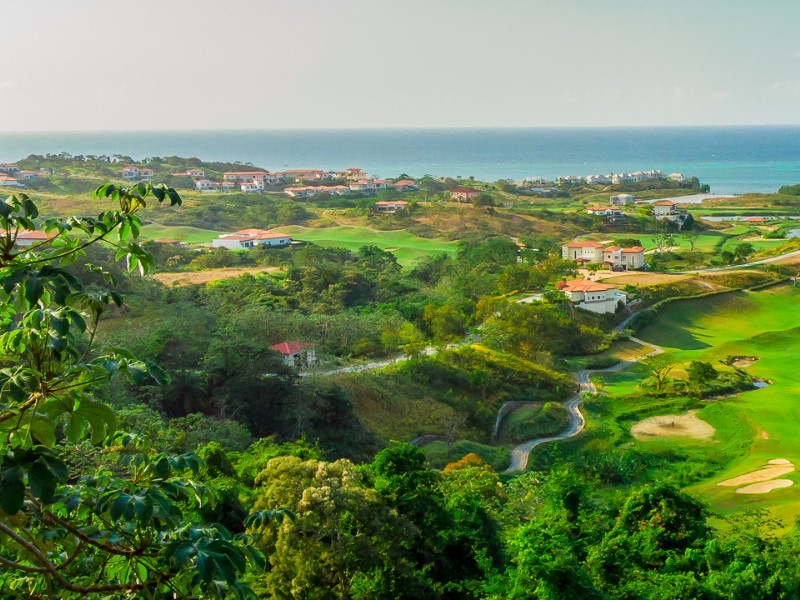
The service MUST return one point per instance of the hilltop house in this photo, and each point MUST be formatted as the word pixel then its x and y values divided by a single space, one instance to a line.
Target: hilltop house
pixel 463 194
pixel 612 256
pixel 250 238
pixel 621 199
pixel 667 210
pixel 393 206
pixel 296 354
pixel 596 297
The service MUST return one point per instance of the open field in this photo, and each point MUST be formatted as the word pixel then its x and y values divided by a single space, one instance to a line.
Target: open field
pixel 765 324
pixel 407 247
pixel 207 275
pixel 642 278
pixel 183 233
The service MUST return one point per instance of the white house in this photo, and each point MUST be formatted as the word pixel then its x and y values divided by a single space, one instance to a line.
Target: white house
pixel 196 173
pixel 9 168
pixel 252 187
pixel 621 199
pixel 296 354
pixel 590 252
pixel 667 210
pixel 206 185
pixel 135 172
pixel 595 297
pixel 386 206
pixel 7 181
pixel 250 238
pixel 405 185
pixel 628 258
pixel 604 211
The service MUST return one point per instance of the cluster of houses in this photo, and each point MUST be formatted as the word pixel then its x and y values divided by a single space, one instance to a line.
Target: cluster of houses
pixel 359 186
pixel 619 178
pixel 12 176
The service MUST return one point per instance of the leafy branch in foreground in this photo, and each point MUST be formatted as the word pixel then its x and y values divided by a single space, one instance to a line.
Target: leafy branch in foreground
pixel 118 526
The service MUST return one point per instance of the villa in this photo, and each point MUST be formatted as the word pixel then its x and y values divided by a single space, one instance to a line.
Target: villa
pixel 296 354
pixel 596 297
pixel 206 185
pixel 463 194
pixel 132 172
pixel 614 257
pixel 246 239
pixel 667 210
pixel 390 207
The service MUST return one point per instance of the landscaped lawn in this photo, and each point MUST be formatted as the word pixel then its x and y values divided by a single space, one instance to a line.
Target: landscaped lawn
pixel 183 233
pixel 407 247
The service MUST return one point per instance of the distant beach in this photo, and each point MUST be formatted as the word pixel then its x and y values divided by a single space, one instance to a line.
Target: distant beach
pixel 732 160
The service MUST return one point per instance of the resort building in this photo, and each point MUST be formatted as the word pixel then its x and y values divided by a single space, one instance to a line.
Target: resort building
pixel 667 210
pixel 628 258
pixel 313 190
pixel 135 172
pixel 206 185
pixel 585 252
pixel 464 194
pixel 596 297
pixel 250 238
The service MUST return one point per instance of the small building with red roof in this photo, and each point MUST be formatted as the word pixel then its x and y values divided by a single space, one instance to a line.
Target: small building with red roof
pixel 296 354
pixel 390 206
pixel 463 193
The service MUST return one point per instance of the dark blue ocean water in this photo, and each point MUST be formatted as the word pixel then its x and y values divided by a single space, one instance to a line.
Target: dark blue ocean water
pixel 729 159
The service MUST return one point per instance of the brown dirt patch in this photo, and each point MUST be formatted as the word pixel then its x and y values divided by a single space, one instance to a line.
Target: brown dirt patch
pixel 765 486
pixel 743 363
pixel 687 425
pixel 644 278
pixel 201 277
pixel 780 461
pixel 764 474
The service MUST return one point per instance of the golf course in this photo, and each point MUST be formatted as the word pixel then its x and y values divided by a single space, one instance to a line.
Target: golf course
pixel 763 326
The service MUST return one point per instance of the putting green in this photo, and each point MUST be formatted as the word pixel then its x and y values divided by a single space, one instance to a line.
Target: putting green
pixel 764 324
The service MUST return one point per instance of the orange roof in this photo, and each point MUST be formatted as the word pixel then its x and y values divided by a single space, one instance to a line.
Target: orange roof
pixel 633 250
pixel 755 219
pixel 665 203
pixel 464 190
pixel 257 234
pixel 35 235
pixel 585 285
pixel 395 203
pixel 611 249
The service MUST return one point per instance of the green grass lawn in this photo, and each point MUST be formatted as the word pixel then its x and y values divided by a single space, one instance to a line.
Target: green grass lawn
pixel 764 324
pixel 183 233
pixel 407 247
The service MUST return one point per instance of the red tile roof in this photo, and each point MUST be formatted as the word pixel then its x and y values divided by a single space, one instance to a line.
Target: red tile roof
pixel 585 285
pixel 665 203
pixel 289 348
pixel 633 250
pixel 583 245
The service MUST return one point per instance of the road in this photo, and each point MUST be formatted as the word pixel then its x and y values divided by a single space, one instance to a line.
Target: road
pixel 520 454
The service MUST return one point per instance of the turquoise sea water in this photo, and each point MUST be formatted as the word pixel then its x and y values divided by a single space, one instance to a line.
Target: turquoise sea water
pixel 729 159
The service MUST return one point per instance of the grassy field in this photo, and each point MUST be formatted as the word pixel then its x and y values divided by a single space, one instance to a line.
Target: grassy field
pixel 437 455
pixel 408 248
pixel 190 235
pixel 765 324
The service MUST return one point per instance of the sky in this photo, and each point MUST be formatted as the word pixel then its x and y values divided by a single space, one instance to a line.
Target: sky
pixel 100 65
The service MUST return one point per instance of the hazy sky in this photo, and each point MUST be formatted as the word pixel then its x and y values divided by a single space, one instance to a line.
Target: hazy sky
pixel 232 64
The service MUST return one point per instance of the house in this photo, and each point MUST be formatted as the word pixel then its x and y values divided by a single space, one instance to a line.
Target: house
pixel 252 187
pixel 390 206
pixel 626 258
pixel 604 211
pixel 405 185
pixel 9 168
pixel 206 185
pixel 363 186
pixel 250 238
pixel 133 172
pixel 352 173
pixel 463 194
pixel 586 252
pixel 299 174
pixel 621 200
pixel 227 186
pixel 25 239
pixel 313 190
pixel 196 173
pixel 598 179
pixel 296 354
pixel 667 210
pixel 593 296
pixel 8 181
pixel 28 175
pixel 243 176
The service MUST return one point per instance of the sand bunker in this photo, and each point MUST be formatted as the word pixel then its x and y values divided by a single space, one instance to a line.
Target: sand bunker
pixel 765 486
pixel 775 468
pixel 687 425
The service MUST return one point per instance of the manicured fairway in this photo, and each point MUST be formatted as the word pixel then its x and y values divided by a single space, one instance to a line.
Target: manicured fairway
pixel 764 324
pixel 191 235
pixel 407 247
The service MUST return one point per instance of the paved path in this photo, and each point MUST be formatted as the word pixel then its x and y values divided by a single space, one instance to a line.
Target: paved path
pixel 520 454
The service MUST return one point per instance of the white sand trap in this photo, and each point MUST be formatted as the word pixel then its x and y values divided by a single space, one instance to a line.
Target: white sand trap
pixel 779 461
pixel 687 425
pixel 765 486
pixel 764 474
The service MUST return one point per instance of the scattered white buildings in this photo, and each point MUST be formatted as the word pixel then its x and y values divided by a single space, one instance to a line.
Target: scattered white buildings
pixel 593 296
pixel 250 238
pixel 612 256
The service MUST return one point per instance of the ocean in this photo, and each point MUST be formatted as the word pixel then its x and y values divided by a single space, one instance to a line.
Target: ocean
pixel 732 160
